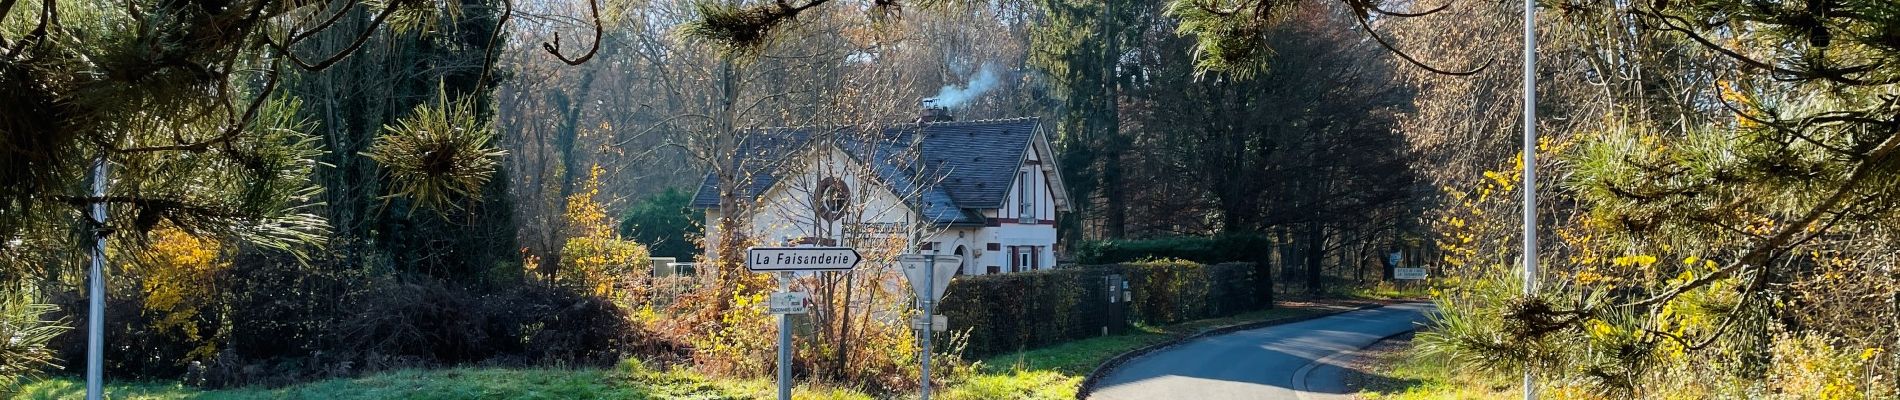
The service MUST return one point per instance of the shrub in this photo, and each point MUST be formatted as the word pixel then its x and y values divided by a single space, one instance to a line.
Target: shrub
pixel 24 335
pixel 418 321
pixel 600 264
pixel 1169 291
pixel 595 257
pixel 1248 248
pixel 176 275
pixel 271 319
pixel 1011 312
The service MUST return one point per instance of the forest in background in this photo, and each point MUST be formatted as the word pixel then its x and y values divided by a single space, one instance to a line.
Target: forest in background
pixel 1718 215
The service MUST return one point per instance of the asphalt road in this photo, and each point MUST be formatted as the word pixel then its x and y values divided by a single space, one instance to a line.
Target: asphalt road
pixel 1299 360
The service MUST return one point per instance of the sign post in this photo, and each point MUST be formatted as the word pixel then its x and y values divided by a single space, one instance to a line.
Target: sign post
pixel 785 261
pixel 929 275
pixel 96 282
pixel 784 340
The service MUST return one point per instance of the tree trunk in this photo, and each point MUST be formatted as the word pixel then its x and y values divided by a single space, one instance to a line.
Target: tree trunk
pixel 1315 252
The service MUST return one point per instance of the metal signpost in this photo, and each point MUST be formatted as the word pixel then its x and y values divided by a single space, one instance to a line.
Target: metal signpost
pixel 785 261
pixel 1530 169
pixel 96 312
pixel 929 275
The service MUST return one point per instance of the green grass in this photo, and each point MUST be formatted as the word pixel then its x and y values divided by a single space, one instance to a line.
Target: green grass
pixel 1053 372
pixel 1391 291
pixel 1410 374
pixel 628 382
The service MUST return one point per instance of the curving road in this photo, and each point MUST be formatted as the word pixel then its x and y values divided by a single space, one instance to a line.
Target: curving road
pixel 1299 360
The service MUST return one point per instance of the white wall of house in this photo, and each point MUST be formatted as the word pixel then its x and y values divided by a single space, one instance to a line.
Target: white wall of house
pixel 1026 220
pixel 785 212
pixel 1023 225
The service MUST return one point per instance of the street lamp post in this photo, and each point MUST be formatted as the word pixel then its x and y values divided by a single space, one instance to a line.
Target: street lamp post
pixel 1530 169
pixel 96 283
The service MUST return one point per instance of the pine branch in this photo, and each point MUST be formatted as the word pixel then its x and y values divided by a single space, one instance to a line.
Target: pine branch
pixel 232 132
pixel 1758 256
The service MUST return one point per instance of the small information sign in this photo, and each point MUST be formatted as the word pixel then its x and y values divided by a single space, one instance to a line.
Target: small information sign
pixel 938 322
pixel 1411 274
pixel 787 303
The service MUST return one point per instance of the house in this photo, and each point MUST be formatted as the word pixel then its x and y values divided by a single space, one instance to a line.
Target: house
pixel 985 191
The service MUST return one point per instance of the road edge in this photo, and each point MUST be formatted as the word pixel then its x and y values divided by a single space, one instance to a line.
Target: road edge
pixel 1095 376
pixel 1300 388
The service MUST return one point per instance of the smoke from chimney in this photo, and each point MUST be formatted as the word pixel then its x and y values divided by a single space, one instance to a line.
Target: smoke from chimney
pixel 953 96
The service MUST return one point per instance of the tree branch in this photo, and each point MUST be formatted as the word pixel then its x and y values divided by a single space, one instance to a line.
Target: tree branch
pixel 339 56
pixel 300 36
pixel 593 8
pixel 1367 27
pixel 1367 5
pixel 1838 75
pixel 488 55
pixel 1759 254
pixel 49 14
pixel 230 132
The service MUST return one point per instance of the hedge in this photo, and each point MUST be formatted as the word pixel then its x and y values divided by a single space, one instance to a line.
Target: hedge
pixel 1205 250
pixel 1017 311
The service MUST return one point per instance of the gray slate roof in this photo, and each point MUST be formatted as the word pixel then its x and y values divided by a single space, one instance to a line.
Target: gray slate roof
pixel 967 166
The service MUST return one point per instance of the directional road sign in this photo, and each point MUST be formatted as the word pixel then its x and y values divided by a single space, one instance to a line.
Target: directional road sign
pixel 914 265
pixel 1408 273
pixel 767 259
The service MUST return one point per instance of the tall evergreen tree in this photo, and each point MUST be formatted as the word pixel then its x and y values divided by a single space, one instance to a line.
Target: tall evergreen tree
pixel 357 100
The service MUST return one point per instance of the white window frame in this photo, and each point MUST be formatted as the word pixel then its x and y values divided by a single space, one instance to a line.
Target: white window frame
pixel 1025 198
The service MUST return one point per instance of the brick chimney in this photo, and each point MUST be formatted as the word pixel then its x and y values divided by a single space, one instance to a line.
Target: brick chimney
pixel 932 113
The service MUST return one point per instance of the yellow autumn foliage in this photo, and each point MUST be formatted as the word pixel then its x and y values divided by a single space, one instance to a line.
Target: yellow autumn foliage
pixel 1809 366
pixel 176 275
pixel 594 256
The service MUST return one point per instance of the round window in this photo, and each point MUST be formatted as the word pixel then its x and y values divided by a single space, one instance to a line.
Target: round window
pixel 831 199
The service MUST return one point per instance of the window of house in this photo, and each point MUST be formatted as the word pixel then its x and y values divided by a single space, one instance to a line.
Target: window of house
pixel 1023 199
pixel 1027 257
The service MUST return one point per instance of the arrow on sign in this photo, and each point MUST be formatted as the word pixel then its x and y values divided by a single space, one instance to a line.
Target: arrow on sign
pixel 767 259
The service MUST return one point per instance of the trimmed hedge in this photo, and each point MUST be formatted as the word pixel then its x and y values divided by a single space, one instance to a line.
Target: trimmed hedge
pixel 1205 250
pixel 1167 292
pixel 1017 311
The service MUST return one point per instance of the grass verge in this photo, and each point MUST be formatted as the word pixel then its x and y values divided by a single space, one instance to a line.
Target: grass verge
pixel 1056 372
pixel 1395 370
pixel 1053 372
pixel 631 380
